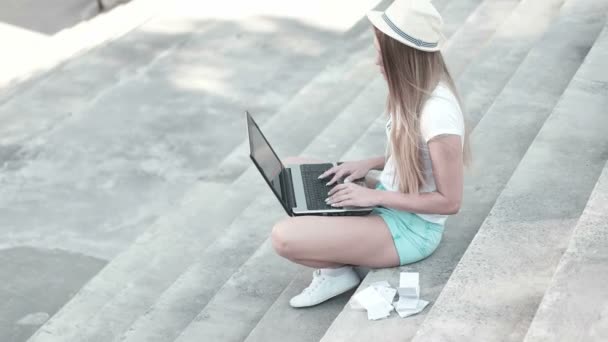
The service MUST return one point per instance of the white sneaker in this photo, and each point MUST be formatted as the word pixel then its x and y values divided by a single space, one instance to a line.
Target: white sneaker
pixel 326 284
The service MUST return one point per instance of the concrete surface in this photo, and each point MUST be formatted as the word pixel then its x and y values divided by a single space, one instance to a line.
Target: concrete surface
pixel 477 30
pixel 238 305
pixel 135 263
pixel 240 238
pixel 169 262
pixel 231 300
pixel 503 54
pixel 307 324
pixel 575 306
pixel 35 283
pixel 247 232
pixel 46 17
pixel 496 288
pixel 76 179
pixel 54 169
pixel 97 300
pixel 32 149
pixel 23 67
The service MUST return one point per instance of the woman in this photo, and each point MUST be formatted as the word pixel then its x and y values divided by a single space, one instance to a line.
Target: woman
pixel 421 181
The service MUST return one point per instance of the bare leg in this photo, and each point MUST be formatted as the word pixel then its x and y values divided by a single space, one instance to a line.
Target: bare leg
pixel 333 241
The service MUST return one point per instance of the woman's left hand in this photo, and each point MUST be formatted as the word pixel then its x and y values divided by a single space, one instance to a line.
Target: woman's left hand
pixel 352 195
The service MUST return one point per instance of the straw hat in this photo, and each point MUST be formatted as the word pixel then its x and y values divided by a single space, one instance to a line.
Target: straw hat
pixel 415 23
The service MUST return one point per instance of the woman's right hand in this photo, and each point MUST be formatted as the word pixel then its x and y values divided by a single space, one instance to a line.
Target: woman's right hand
pixel 351 170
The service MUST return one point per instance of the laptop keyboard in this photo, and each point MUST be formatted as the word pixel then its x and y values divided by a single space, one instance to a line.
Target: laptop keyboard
pixel 315 188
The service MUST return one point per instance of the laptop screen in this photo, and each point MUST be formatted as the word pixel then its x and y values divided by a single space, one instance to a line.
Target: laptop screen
pixel 267 161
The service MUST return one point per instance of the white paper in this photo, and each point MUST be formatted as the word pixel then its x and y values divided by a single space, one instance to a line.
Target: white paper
pixel 387 293
pixel 383 288
pixel 407 303
pixel 375 304
pixel 370 298
pixel 378 311
pixel 382 283
pixel 377 298
pixel 409 290
pixel 409 283
pixel 403 312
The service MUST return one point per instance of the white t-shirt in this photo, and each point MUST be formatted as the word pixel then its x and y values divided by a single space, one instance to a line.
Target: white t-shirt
pixel 441 114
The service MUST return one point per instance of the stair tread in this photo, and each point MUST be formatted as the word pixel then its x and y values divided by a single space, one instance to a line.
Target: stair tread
pixel 519 243
pixel 233 311
pixel 248 231
pixel 71 88
pixel 576 299
pixel 154 280
pixel 476 31
pixel 231 294
pixel 156 162
pixel 21 69
pixel 146 251
pixel 300 325
pixel 503 54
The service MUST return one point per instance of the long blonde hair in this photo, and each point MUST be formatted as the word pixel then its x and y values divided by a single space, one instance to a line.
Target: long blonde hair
pixel 412 75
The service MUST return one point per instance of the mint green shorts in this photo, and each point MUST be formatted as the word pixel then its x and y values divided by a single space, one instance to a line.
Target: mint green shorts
pixel 415 238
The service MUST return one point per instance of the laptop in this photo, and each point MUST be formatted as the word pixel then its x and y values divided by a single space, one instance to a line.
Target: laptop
pixel 297 187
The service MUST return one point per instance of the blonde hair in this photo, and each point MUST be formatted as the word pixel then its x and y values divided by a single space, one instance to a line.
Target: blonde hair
pixel 412 75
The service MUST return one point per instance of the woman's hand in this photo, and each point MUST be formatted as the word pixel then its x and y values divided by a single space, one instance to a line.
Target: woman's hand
pixel 353 195
pixel 353 170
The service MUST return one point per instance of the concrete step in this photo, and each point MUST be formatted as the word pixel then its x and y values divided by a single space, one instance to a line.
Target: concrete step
pixel 503 54
pixel 29 64
pixel 175 308
pixel 495 290
pixel 495 158
pixel 120 175
pixel 67 147
pixel 70 88
pixel 244 291
pixel 129 304
pixel 477 30
pixel 99 289
pixel 574 307
pixel 102 75
pixel 299 324
pixel 235 309
pixel 147 266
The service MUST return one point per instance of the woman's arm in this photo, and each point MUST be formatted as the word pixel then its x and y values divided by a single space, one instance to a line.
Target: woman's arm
pixel 446 157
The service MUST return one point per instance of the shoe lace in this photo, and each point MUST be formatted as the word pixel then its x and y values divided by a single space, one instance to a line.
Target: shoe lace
pixel 317 279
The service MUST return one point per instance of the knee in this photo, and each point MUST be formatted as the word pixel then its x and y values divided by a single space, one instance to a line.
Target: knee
pixel 281 238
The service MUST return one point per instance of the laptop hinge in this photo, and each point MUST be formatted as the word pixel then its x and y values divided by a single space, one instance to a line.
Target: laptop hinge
pixel 287 189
